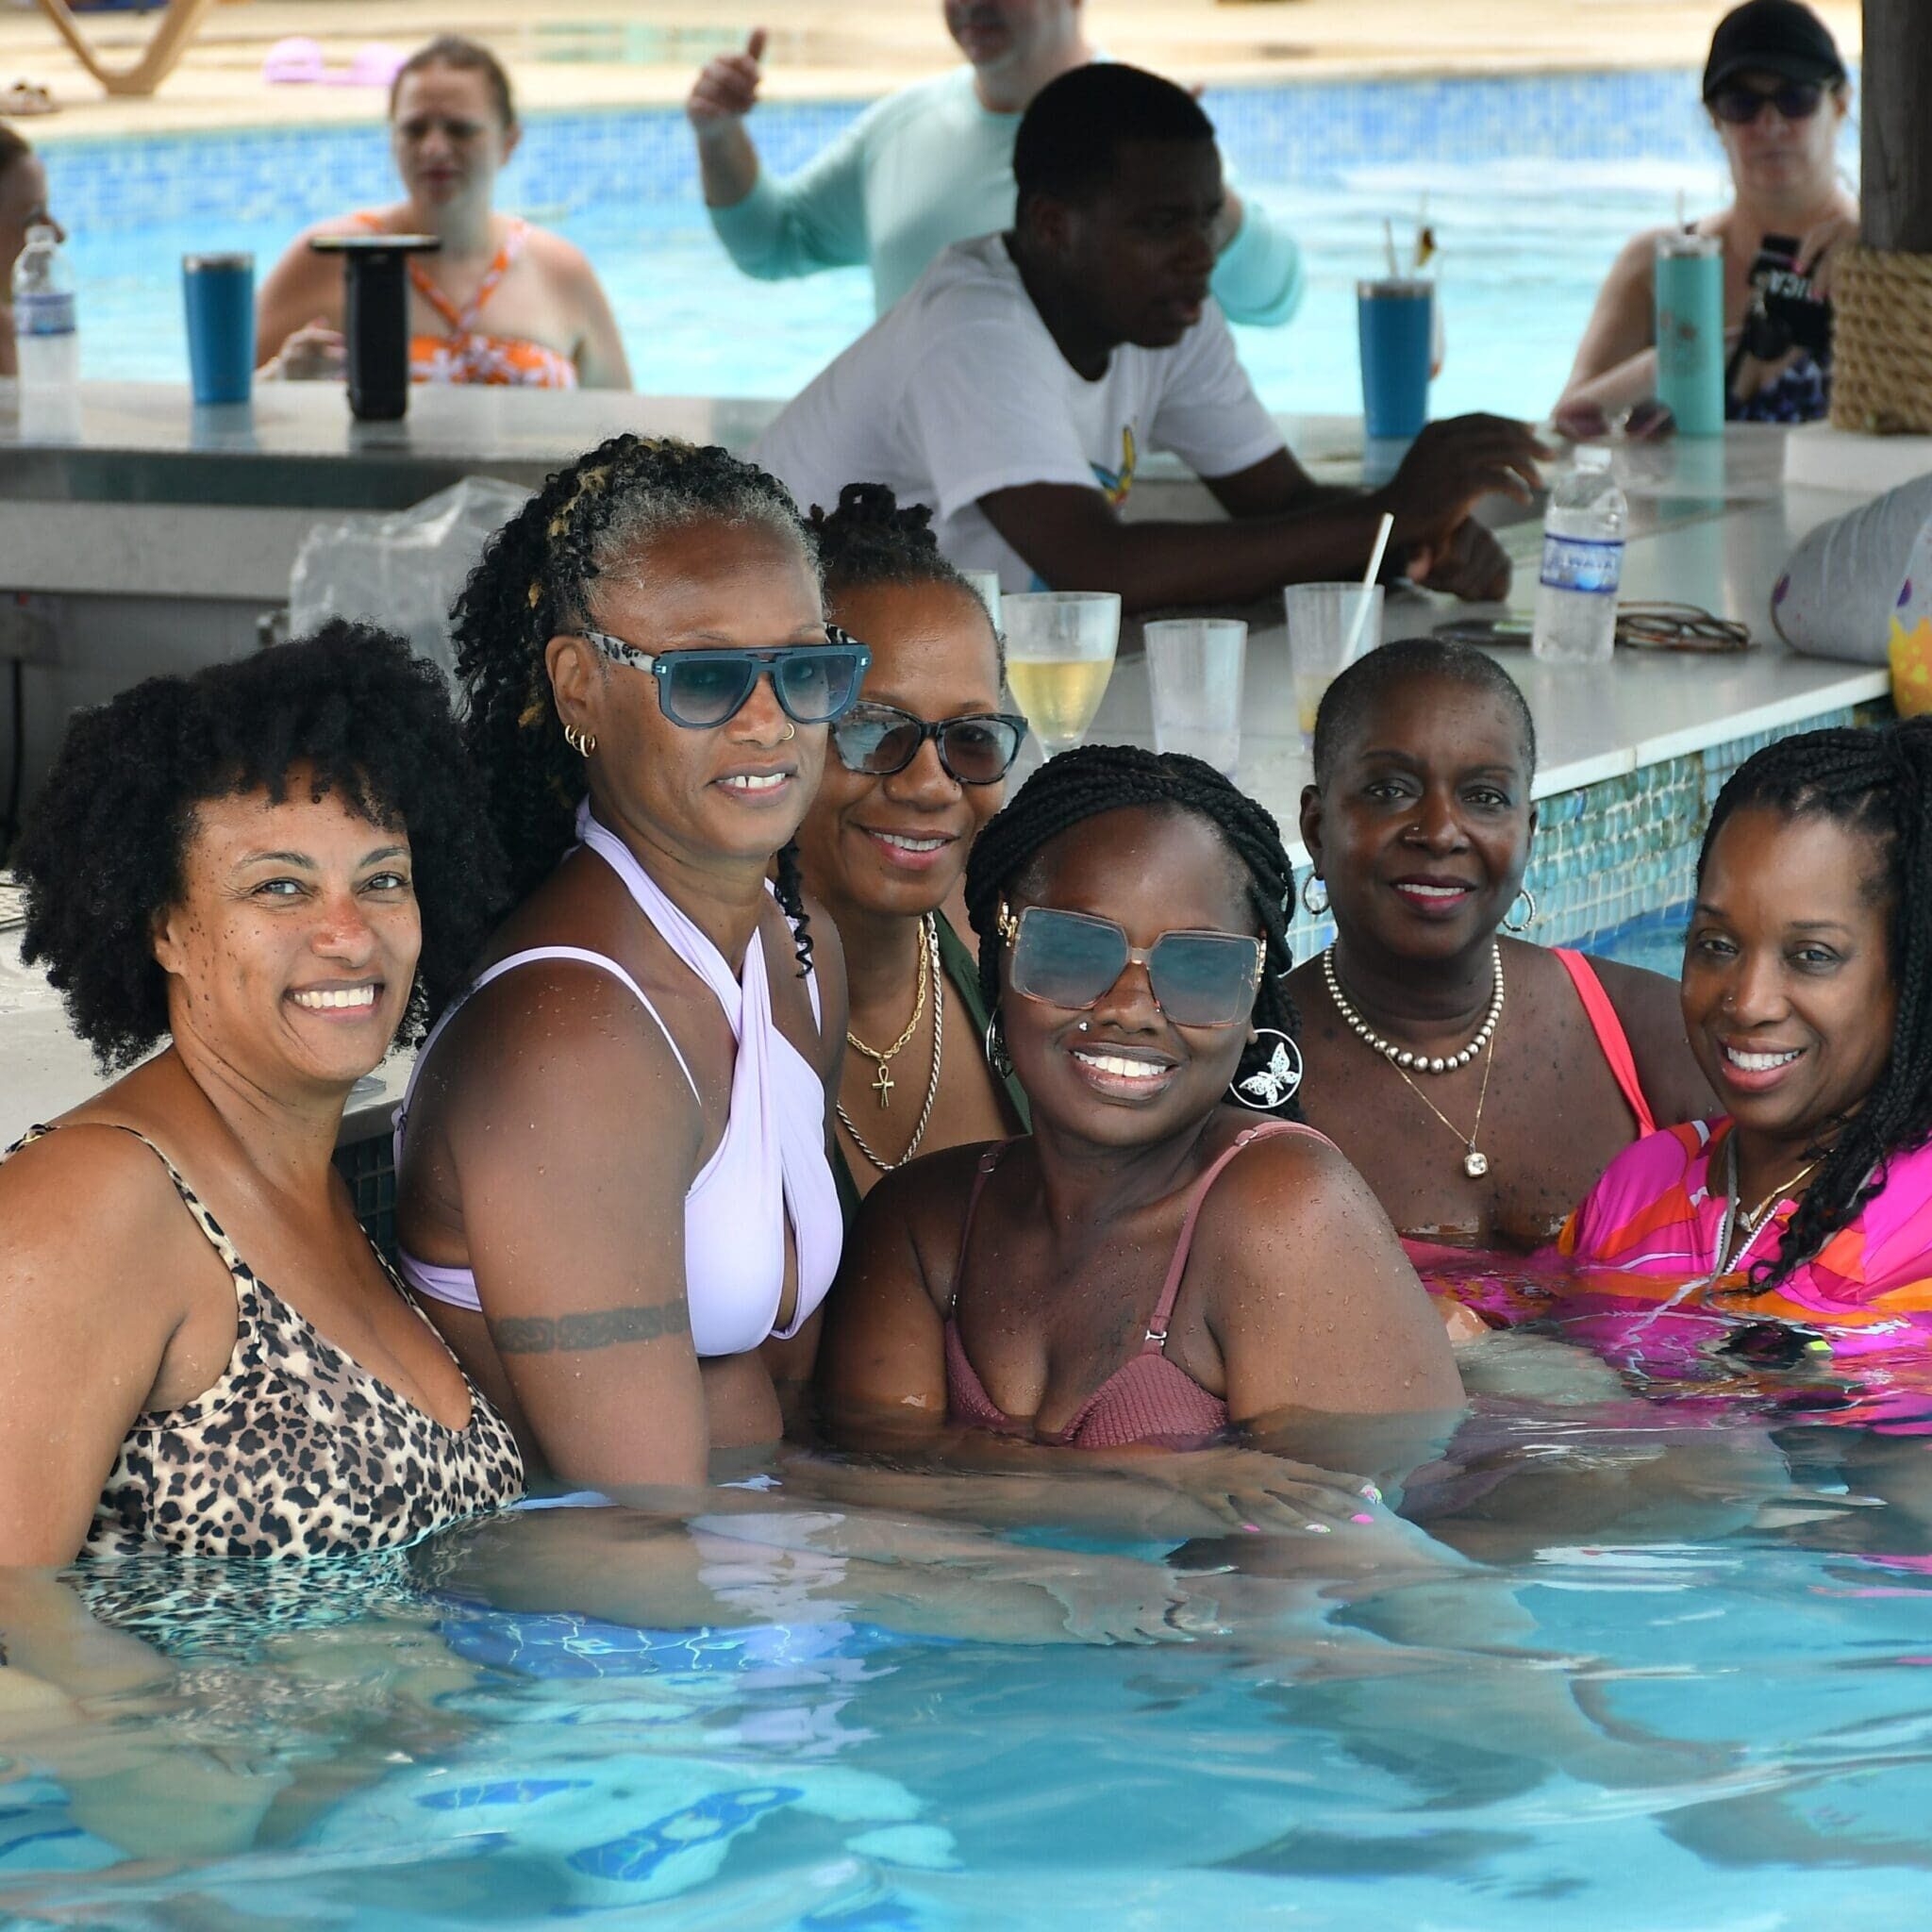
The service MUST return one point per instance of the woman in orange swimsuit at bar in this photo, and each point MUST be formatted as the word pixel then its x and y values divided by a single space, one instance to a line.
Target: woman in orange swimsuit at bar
pixel 1479 1082
pixel 502 302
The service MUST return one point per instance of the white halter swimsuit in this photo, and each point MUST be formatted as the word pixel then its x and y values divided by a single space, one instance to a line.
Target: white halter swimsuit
pixel 769 1168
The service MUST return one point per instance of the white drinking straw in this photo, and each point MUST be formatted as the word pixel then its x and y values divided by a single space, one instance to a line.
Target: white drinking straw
pixel 1361 611
pixel 1388 242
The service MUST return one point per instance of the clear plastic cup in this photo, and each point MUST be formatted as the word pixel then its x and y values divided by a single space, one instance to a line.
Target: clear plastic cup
pixel 1194 670
pixel 1327 629
pixel 1060 648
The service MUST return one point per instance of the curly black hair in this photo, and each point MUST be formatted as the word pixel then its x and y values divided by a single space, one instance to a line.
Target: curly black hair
pixel 537 579
pixel 103 849
pixel 871 538
pixel 1348 701
pixel 1094 778
pixel 1878 782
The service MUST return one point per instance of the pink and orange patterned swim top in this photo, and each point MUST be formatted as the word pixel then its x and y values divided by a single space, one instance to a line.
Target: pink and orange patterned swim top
pixel 1635 1278
pixel 466 354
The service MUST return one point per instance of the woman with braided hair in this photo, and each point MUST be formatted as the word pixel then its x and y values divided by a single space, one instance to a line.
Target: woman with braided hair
pixel 1156 1261
pixel 1797 1226
pixel 614 1185
pixel 917 766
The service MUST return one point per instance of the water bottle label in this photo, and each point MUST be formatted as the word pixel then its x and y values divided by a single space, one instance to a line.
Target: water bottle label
pixel 44 315
pixel 1583 563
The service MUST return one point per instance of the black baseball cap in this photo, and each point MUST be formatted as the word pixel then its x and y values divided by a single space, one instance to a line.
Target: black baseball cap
pixel 1780 36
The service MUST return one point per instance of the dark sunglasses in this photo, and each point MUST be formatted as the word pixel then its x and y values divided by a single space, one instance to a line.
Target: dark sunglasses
pixel 1074 960
pixel 1795 100
pixel 702 689
pixel 977 748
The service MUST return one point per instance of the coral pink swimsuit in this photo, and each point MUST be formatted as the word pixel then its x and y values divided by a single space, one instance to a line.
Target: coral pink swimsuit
pixel 1148 1399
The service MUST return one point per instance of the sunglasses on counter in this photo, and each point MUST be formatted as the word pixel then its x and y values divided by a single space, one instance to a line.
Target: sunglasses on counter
pixel 1072 960
pixel 701 690
pixel 1795 100
pixel 977 748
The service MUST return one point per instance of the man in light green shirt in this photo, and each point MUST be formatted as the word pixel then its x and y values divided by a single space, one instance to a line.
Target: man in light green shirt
pixel 930 165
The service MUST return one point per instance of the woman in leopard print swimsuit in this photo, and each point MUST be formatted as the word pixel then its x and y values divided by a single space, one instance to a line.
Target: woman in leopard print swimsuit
pixel 274 866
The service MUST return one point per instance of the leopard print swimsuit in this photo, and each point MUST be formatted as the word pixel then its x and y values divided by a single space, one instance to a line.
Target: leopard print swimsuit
pixel 297 1450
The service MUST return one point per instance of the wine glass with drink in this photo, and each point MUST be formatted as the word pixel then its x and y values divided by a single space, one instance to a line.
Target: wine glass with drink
pixel 1060 649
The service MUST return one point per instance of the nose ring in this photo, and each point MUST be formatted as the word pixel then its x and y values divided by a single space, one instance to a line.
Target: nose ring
pixel 790 732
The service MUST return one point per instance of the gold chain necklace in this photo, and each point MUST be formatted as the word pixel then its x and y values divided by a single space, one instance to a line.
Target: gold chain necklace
pixel 883 1082
pixel 1475 1163
pixel 929 961
pixel 1738 1221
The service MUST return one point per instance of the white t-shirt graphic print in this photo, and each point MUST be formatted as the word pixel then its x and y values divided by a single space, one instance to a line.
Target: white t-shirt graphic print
pixel 960 392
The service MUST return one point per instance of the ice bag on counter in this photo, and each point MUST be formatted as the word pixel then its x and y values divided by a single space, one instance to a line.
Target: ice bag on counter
pixel 403 569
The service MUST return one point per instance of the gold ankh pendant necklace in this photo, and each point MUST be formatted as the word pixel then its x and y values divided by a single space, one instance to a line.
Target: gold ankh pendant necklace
pixel 882 1081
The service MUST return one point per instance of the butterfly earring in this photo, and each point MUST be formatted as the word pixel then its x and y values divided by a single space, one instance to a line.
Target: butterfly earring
pixel 1276 1081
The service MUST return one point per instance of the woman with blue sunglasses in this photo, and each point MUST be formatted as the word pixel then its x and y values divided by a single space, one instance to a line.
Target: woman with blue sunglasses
pixel 917 766
pixel 1778 94
pixel 614 1189
pixel 1170 1254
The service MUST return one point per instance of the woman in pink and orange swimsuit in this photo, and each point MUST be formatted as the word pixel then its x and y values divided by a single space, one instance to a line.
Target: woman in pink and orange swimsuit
pixel 1792 1233
pixel 502 302
pixel 1480 1082
pixel 1170 1254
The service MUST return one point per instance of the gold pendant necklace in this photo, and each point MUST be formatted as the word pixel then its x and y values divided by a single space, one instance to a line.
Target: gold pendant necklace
pixel 883 1082
pixel 930 961
pixel 1475 1163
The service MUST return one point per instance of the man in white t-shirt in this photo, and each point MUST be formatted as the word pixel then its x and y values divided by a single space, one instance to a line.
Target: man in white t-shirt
pixel 932 164
pixel 1018 385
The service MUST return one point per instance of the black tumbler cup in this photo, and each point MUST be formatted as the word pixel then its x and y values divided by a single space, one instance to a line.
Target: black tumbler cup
pixel 375 311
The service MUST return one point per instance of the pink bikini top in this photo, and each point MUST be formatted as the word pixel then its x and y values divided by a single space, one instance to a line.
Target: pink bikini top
pixel 1148 1398
pixel 770 1170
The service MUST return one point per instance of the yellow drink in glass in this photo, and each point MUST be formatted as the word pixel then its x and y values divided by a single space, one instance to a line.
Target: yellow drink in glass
pixel 1059 654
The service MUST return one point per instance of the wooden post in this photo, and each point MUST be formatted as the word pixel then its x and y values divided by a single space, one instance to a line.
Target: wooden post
pixel 1895 196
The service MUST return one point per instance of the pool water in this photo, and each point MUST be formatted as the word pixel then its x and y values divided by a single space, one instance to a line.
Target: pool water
pixel 1718 1719
pixel 1519 273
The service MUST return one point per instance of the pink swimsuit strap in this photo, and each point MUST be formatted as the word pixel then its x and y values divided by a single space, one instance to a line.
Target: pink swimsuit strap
pixel 1171 1403
pixel 1610 1037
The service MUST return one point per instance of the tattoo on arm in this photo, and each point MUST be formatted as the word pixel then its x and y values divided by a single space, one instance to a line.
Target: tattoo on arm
pixel 577 1334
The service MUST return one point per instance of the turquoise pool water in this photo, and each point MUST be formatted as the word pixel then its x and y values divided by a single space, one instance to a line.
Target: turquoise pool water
pixel 1712 1720
pixel 1520 272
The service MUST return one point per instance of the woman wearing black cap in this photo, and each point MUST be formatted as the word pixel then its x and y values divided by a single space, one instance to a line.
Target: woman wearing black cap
pixel 1776 92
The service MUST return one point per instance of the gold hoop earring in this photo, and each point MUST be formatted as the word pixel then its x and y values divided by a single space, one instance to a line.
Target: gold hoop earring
pixel 582 743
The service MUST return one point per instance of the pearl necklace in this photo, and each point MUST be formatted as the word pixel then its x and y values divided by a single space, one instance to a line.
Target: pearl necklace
pixel 1401 1057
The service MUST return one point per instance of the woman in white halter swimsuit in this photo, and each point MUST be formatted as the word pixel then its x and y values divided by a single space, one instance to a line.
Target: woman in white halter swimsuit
pixel 614 1190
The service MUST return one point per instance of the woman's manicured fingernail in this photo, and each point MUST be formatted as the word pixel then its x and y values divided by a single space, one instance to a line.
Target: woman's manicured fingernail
pixel 1372 1492
pixel 1252 1528
pixel 1362 1516
pixel 1320 1529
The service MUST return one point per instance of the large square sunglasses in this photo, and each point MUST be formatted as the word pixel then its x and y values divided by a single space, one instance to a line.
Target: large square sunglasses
pixel 977 749
pixel 1072 960
pixel 1795 100
pixel 703 689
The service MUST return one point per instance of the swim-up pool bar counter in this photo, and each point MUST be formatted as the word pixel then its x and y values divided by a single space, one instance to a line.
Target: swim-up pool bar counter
pixel 155 537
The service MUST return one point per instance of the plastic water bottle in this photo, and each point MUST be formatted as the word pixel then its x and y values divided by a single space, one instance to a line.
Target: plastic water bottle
pixel 1583 564
pixel 46 341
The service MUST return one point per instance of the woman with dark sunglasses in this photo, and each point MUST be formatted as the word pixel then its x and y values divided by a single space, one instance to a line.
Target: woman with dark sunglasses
pixel 1170 1253
pixel 916 768
pixel 1778 94
pixel 614 1189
